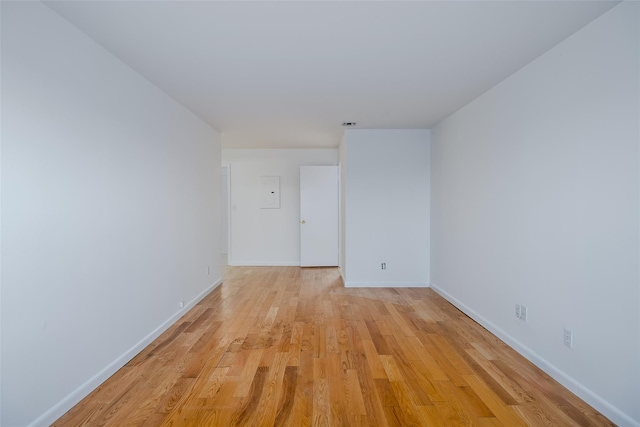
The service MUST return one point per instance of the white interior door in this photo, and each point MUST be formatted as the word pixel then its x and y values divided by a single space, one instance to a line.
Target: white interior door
pixel 224 209
pixel 319 216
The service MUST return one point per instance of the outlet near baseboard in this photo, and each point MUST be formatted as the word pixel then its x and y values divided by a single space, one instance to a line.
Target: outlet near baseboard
pixel 568 338
pixel 521 312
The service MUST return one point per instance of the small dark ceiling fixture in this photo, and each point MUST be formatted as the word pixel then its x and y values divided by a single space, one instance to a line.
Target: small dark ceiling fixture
pixel 348 124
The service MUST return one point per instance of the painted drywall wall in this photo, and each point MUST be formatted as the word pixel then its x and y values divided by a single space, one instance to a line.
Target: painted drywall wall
pixel 110 213
pixel 268 236
pixel 386 203
pixel 535 200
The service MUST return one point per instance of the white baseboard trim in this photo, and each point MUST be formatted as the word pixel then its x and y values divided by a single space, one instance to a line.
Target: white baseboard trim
pixel 385 284
pixel 59 409
pixel 264 263
pixel 603 406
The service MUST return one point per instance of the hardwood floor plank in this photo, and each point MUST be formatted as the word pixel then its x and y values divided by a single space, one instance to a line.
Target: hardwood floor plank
pixel 321 403
pixel 373 360
pixel 508 392
pixel 354 394
pixel 501 411
pixel 214 383
pixel 385 393
pixel 287 396
pixel 245 413
pixel 431 416
pixel 407 411
pixel 290 346
pixel 402 324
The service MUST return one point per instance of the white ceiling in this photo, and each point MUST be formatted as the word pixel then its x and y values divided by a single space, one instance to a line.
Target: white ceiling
pixel 287 74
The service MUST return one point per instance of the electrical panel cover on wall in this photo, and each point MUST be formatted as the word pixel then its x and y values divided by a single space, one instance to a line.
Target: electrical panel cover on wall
pixel 269 192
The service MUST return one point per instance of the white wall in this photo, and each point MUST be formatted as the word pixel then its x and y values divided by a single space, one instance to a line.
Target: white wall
pixel 268 236
pixel 110 213
pixel 386 204
pixel 535 200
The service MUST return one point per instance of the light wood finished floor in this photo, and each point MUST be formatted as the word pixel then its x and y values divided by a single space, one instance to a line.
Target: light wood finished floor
pixel 292 347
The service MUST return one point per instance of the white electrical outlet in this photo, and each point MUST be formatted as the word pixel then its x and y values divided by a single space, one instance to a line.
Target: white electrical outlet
pixel 523 313
pixel 208 270
pixel 568 338
pixel 518 311
pixel 181 304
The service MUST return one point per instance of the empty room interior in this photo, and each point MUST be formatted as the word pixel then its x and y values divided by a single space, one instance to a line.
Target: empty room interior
pixel 164 175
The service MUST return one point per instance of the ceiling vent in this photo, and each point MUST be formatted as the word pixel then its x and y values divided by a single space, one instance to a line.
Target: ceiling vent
pixel 348 124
